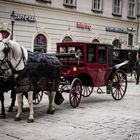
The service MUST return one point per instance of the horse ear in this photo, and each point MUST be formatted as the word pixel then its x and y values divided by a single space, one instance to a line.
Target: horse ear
pixel 6 40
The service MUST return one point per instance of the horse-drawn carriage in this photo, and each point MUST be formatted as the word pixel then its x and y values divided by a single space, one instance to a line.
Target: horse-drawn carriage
pixel 120 55
pixel 92 67
pixel 84 66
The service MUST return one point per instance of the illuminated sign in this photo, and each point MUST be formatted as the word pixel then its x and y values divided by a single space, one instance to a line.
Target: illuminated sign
pixel 83 26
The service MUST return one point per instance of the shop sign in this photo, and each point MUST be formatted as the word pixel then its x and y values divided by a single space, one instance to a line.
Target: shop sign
pixel 83 26
pixel 23 17
pixel 118 30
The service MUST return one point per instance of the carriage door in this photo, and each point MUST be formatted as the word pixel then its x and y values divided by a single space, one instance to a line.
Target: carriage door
pixel 103 68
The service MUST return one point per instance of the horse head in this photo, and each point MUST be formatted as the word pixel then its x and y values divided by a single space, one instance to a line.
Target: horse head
pixel 12 56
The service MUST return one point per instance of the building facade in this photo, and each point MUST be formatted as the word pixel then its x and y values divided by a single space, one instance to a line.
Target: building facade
pixel 40 24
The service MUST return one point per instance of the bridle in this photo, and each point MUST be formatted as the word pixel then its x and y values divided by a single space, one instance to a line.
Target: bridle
pixel 5 64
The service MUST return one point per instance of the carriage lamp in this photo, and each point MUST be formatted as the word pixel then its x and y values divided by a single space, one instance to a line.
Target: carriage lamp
pixel 74 68
pixel 12 23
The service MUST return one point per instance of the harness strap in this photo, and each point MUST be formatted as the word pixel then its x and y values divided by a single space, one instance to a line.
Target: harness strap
pixel 22 58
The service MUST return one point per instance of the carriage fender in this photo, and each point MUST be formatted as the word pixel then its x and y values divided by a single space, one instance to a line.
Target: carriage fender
pixel 121 64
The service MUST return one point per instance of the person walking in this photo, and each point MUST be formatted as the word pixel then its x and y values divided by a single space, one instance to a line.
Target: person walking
pixel 137 68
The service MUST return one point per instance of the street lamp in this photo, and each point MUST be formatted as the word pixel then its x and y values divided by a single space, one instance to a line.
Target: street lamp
pixel 12 23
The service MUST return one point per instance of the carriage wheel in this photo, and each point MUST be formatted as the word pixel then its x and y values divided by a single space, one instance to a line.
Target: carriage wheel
pixel 37 97
pixel 119 84
pixel 75 92
pixel 86 91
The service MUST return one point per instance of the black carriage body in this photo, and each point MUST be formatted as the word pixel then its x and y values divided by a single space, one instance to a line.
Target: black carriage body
pixel 94 66
pixel 120 55
pixel 42 73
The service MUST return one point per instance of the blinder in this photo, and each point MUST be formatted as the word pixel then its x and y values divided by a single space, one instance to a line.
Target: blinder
pixel 5 67
pixel 6 50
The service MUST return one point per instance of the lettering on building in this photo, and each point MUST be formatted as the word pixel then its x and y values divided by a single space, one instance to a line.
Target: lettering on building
pixel 23 17
pixel 83 26
pixel 115 29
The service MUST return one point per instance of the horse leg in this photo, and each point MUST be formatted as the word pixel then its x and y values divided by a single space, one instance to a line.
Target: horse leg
pixel 13 96
pixel 20 101
pixel 51 96
pixel 3 115
pixel 30 102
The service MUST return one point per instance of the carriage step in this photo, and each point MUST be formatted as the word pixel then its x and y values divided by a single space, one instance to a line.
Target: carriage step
pixel 100 91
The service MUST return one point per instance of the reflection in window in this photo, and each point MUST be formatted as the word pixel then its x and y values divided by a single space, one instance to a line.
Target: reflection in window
pixel 91 53
pixel 71 50
pixel 102 55
pixel 40 43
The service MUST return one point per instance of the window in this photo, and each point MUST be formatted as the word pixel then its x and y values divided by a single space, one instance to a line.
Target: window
pixel 67 39
pixel 97 5
pixel 70 3
pixel 95 41
pixel 138 5
pixel 117 7
pixel 44 1
pixel 131 9
pixel 130 40
pixel 116 43
pixel 102 55
pixel 40 43
pixel 91 53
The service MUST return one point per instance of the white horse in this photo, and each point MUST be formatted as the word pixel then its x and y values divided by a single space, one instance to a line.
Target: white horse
pixel 15 58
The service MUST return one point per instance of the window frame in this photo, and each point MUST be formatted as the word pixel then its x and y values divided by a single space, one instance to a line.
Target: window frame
pixel 44 1
pixel 72 4
pixel 129 11
pixel 99 7
pixel 119 7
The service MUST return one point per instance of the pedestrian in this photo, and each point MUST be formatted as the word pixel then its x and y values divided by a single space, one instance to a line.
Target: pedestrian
pixel 137 68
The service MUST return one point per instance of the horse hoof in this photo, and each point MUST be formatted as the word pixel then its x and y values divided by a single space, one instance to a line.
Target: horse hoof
pixel 30 120
pixel 51 112
pixel 2 116
pixel 17 119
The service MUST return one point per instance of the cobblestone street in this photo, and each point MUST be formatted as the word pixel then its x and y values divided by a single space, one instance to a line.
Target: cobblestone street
pixel 98 117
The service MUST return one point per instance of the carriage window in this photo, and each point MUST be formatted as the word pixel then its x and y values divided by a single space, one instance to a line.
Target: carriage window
pixel 72 50
pixel 102 55
pixel 91 54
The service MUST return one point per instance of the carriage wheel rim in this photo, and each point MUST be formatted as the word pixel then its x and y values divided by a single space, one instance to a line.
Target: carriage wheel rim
pixel 75 93
pixel 119 88
pixel 86 91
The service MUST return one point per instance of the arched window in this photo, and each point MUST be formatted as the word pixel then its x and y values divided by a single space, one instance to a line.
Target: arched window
pixel 95 40
pixel 67 39
pixel 4 33
pixel 40 43
pixel 116 43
